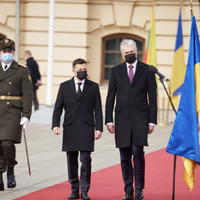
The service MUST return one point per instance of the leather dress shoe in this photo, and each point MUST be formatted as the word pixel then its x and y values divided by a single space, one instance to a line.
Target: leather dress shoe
pixel 84 195
pixel 128 197
pixel 138 194
pixel 74 195
pixel 11 181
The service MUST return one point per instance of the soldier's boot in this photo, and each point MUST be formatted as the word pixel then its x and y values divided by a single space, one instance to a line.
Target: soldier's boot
pixel 1 182
pixel 11 178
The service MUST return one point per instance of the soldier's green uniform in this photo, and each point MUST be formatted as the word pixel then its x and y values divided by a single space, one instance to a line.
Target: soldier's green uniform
pixel 15 82
pixel 15 100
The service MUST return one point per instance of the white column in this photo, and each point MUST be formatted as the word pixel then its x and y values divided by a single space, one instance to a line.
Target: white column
pixel 17 30
pixel 50 53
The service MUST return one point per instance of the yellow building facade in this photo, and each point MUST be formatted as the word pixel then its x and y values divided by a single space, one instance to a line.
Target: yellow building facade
pixel 93 30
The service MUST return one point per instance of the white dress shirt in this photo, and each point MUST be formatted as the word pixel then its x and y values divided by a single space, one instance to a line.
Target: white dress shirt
pixel 8 65
pixel 76 84
pixel 134 67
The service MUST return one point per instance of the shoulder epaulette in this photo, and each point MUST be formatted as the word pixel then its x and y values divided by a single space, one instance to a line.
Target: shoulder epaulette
pixel 24 66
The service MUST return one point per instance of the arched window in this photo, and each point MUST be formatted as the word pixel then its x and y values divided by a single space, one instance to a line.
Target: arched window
pixel 112 55
pixel 2 36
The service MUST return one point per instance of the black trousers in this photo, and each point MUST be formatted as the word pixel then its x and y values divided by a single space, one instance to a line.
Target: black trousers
pixel 7 155
pixel 35 100
pixel 128 170
pixel 85 175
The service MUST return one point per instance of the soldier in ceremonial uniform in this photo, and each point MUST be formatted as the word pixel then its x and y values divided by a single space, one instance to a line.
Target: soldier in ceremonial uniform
pixel 15 108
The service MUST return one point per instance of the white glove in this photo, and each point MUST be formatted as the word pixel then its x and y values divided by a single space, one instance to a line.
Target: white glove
pixel 24 122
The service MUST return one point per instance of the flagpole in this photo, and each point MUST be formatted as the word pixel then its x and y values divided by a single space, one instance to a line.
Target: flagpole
pixel 191 9
pixel 174 174
pixel 174 169
pixel 175 156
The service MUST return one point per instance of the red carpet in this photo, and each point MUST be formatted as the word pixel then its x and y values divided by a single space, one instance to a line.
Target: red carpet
pixel 107 183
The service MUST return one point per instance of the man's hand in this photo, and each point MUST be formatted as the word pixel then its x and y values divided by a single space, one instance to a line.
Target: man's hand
pixel 97 134
pixel 111 128
pixel 151 129
pixel 56 130
pixel 38 83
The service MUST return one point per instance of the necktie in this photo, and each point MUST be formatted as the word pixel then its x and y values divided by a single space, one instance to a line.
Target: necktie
pixel 130 74
pixel 5 67
pixel 79 89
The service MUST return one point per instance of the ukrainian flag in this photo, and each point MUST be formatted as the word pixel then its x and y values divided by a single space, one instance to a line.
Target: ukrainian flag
pixel 184 139
pixel 178 67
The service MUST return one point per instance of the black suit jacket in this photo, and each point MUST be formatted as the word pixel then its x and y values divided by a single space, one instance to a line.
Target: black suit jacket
pixel 34 71
pixel 81 116
pixel 136 104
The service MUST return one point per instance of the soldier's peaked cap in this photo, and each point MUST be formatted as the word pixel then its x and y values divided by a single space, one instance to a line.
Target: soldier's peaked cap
pixel 7 44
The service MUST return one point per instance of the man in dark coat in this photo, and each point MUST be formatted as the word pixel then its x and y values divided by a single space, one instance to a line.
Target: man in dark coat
pixel 81 101
pixel 35 76
pixel 134 87
pixel 15 101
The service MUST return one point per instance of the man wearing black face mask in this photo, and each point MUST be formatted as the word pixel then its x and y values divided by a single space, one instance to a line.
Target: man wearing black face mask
pixel 135 115
pixel 80 99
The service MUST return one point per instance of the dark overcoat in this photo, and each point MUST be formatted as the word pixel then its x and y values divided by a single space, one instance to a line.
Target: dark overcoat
pixel 15 81
pixel 34 71
pixel 82 115
pixel 136 104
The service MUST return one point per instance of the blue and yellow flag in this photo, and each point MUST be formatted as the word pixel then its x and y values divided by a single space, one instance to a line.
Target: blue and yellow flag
pixel 184 139
pixel 178 67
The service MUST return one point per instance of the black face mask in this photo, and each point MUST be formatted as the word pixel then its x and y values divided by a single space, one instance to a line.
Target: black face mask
pixel 81 75
pixel 130 58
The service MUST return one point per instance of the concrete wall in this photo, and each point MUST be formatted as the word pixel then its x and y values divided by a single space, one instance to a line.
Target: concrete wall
pixel 81 25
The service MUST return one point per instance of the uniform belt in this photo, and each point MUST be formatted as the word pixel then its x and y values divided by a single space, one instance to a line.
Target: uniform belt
pixel 2 98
